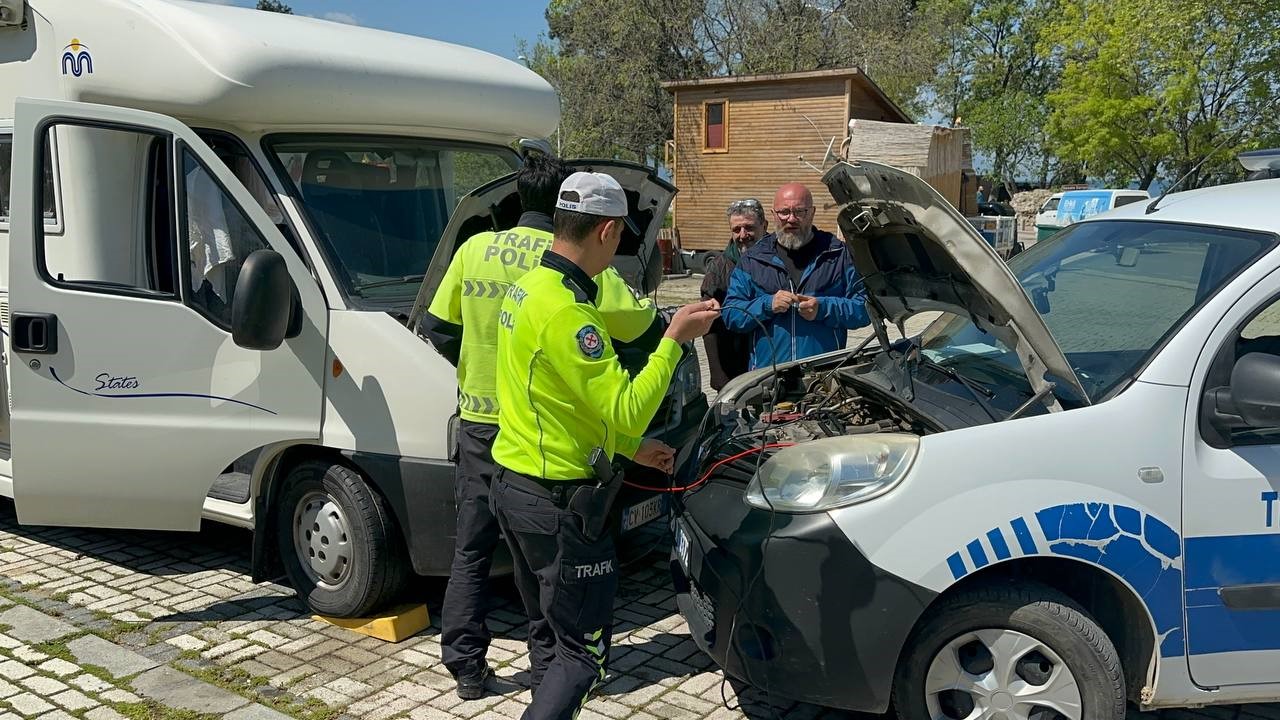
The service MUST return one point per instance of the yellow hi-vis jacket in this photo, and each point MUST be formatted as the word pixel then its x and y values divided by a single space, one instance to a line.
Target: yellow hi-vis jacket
pixel 471 296
pixel 561 388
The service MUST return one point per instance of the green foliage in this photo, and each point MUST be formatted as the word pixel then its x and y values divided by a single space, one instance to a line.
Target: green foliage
pixel 1150 88
pixel 274 6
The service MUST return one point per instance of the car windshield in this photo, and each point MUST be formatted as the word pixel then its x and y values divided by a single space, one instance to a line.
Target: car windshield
pixel 1110 292
pixel 379 204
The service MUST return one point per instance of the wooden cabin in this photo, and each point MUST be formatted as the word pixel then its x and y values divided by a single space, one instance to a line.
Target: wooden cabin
pixel 740 137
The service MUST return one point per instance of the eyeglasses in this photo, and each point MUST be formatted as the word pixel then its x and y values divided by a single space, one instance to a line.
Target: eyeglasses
pixel 748 204
pixel 792 212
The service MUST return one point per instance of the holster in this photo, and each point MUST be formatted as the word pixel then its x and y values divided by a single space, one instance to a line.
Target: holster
pixel 592 503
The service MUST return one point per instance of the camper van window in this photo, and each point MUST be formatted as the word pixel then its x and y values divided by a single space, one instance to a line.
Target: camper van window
pixel 49 195
pixel 1122 200
pixel 217 237
pixel 379 205
pixel 120 239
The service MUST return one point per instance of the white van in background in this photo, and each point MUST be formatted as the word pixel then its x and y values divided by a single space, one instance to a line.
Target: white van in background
pixel 214 223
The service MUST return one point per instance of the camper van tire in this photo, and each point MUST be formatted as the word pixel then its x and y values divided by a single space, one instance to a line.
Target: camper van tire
pixel 1005 644
pixel 338 541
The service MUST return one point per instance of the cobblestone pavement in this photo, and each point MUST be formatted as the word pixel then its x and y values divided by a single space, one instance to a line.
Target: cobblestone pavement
pixel 105 625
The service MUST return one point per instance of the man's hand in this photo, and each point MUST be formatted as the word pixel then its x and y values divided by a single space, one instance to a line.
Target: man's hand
pixel 808 307
pixel 783 300
pixel 657 455
pixel 693 320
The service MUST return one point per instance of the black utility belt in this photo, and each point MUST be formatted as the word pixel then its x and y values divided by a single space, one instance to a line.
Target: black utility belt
pixel 557 491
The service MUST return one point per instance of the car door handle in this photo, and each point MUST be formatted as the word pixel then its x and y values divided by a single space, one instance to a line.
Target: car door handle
pixel 34 333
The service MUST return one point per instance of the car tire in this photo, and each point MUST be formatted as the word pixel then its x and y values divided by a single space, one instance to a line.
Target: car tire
pixel 338 542
pixel 1028 646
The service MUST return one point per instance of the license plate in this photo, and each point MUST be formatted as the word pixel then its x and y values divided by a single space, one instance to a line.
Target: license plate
pixel 682 546
pixel 641 513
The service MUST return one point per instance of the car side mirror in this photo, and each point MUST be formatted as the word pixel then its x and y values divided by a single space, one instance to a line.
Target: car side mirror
pixel 265 307
pixel 1040 299
pixel 1255 389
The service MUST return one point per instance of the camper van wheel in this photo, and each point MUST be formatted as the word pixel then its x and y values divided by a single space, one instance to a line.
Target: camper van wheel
pixel 337 541
pixel 1026 652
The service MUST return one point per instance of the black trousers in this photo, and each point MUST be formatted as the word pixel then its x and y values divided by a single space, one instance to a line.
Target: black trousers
pixel 567 584
pixel 464 637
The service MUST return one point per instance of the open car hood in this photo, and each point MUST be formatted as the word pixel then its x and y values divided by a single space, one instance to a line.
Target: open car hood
pixel 496 206
pixel 917 253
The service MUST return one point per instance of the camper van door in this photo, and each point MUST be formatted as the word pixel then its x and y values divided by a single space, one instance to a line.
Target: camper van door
pixel 130 396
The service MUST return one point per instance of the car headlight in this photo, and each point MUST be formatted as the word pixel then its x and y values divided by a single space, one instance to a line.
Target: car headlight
pixel 832 472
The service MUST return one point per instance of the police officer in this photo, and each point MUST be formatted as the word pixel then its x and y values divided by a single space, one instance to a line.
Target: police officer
pixel 462 323
pixel 566 406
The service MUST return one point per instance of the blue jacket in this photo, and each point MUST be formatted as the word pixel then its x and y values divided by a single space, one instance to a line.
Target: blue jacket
pixel 830 277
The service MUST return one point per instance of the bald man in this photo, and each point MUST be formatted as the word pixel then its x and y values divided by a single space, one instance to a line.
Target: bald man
pixel 795 291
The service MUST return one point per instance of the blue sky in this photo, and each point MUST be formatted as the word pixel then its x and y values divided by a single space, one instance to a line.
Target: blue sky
pixel 490 25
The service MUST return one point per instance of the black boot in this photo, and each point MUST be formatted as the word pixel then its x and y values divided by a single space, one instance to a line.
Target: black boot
pixel 471 680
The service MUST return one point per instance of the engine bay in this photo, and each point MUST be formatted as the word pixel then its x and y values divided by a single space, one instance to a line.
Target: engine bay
pixel 800 403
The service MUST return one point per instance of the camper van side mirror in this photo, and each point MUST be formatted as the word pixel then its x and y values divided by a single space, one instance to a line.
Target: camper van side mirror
pixel 263 307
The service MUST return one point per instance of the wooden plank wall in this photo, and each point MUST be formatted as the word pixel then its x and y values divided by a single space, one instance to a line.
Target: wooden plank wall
pixel 769 126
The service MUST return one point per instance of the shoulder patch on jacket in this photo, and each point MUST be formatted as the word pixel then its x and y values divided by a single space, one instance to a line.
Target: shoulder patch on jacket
pixel 590 342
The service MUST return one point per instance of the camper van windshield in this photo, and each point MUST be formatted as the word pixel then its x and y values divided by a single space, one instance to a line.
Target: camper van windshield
pixel 379 205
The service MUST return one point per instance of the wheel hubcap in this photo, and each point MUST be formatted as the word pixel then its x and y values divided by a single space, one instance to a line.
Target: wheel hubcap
pixel 321 538
pixel 1000 674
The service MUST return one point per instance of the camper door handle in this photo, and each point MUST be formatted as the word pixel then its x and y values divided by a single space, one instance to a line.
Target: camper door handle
pixel 34 333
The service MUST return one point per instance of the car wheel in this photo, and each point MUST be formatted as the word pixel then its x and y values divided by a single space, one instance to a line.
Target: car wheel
pixel 337 541
pixel 1026 652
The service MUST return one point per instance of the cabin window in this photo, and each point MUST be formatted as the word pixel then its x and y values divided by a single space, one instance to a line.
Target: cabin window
pixel 124 242
pixel 715 121
pixel 49 195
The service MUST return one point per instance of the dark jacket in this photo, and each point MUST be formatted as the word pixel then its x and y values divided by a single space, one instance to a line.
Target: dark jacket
pixel 727 351
pixel 829 277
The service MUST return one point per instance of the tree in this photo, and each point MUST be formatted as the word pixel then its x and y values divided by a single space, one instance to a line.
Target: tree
pixel 607 58
pixel 274 6
pixel 1151 88
pixel 995 79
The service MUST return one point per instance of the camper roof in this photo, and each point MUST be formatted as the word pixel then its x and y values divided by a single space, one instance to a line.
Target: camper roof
pixel 258 69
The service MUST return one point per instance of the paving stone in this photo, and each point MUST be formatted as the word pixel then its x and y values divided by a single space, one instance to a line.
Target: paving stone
pixel 14 670
pixel 74 700
pixel 179 690
pixel 42 686
pixel 59 667
pixel 90 683
pixel 256 711
pixel 329 697
pixel 34 626
pixel 29 655
pixel 119 661
pixel 103 713
pixel 119 696
pixel 56 715
pixel 29 704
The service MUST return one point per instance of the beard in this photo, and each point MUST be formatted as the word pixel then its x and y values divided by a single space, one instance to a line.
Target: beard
pixel 794 241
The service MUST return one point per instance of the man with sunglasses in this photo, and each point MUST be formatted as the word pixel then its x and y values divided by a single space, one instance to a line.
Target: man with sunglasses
pixel 728 351
pixel 796 290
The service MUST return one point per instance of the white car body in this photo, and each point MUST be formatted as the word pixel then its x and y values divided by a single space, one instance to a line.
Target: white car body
pixel 1126 491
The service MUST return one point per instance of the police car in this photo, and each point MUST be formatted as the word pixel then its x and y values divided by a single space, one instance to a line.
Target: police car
pixel 1063 496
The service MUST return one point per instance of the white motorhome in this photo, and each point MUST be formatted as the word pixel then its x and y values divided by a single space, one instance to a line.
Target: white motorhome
pixel 214 224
